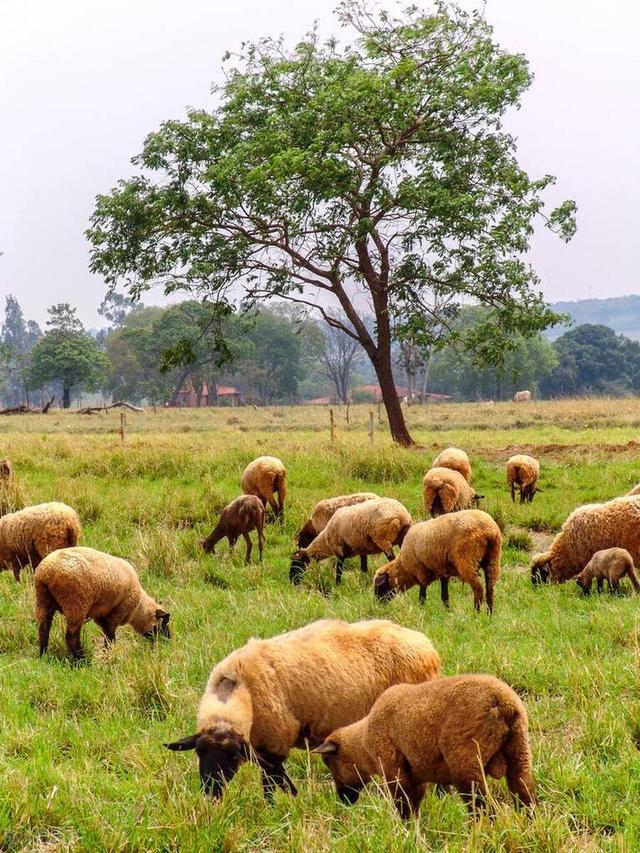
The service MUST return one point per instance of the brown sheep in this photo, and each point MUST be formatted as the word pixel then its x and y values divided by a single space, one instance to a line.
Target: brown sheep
pixel 522 473
pixel 323 511
pixel 264 477
pixel 84 584
pixel 11 497
pixel 238 518
pixel 456 459
pixel 28 535
pixel 449 731
pixel 455 545
pixel 611 564
pixel 273 695
pixel 445 490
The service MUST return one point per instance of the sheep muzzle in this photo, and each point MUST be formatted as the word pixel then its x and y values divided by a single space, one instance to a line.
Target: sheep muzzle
pixel 382 586
pixel 347 794
pixel 298 566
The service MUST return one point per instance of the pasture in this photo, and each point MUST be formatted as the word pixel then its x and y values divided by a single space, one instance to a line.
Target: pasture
pixel 82 765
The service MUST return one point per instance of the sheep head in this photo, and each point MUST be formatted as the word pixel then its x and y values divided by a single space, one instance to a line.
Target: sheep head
pixel 541 568
pixel 342 760
pixel 306 536
pixel 383 582
pixel 299 562
pixel 220 753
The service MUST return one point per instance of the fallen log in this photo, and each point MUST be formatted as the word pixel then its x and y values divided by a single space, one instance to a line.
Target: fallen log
pixel 24 409
pixel 120 404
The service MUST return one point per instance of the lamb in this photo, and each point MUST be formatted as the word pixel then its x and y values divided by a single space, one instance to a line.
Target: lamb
pixel 455 459
pixel 372 527
pixel 238 518
pixel 264 477
pixel 323 511
pixel 590 528
pixel 523 472
pixel 611 564
pixel 270 696
pixel 454 545
pixel 85 584
pixel 445 490
pixel 449 731
pixel 28 535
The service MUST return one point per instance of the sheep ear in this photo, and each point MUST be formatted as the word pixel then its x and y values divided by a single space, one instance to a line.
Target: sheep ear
pixel 183 745
pixel 329 747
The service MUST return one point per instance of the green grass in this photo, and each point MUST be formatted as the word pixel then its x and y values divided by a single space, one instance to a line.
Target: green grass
pixel 82 765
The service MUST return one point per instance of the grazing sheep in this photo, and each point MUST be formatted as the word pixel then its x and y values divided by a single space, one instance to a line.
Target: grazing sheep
pixel 323 511
pixel 455 545
pixel 522 397
pixel 455 459
pixel 449 731
pixel 28 535
pixel 611 564
pixel 264 477
pixel 523 472
pixel 372 527
pixel 273 695
pixel 590 528
pixel 85 584
pixel 445 490
pixel 238 518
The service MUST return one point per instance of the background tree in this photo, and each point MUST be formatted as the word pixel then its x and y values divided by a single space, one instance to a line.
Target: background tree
pixel 18 338
pixel 337 357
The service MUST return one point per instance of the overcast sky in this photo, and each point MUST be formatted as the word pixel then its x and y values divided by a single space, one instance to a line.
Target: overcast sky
pixel 83 81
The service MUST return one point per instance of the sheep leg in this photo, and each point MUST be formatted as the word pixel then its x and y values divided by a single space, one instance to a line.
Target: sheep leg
pixel 488 582
pixel 633 578
pixel 363 563
pixel 422 595
pixel 478 593
pixel 389 554
pixel 406 796
pixel 473 793
pixel 247 539
pixel 339 570
pixel 599 584
pixel 513 492
pixel 107 629
pixel 519 769
pixel 72 637
pixel 16 568
pixel 274 775
pixel 45 629
pixel 614 586
pixel 260 530
pixel 444 591
pixel 274 506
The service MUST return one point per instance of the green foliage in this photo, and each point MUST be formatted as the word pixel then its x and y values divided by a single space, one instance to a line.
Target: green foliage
pixel 16 342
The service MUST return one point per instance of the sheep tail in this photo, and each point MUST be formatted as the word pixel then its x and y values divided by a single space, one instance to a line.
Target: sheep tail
pixel 519 766
pixel 72 536
pixel 633 578
pixel 492 555
pixel 281 488
pixel 45 602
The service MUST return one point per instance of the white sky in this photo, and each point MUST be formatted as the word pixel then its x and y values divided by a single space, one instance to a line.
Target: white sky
pixel 83 81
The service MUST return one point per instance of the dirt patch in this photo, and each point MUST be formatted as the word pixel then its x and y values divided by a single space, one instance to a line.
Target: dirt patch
pixel 556 450
pixel 541 541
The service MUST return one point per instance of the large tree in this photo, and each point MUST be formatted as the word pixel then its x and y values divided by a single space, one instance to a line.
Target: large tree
pixel 375 176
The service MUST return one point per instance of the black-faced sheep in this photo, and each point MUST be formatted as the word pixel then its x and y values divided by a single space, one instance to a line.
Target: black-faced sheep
pixel 84 584
pixel 611 565
pixel 372 527
pixel 522 473
pixel 323 511
pixel 449 731
pixel 238 518
pixel 459 544
pixel 273 695
pixel 27 536
pixel 265 477
pixel 590 528
pixel 456 459
pixel 445 490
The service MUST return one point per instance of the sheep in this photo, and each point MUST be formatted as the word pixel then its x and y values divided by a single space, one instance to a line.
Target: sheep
pixel 86 584
pixel 455 459
pixel 264 477
pixel 449 731
pixel 522 397
pixel 445 490
pixel 6 470
pixel 238 518
pixel 28 535
pixel 323 511
pixel 453 545
pixel 523 472
pixel 272 695
pixel 372 527
pixel 11 498
pixel 611 564
pixel 590 528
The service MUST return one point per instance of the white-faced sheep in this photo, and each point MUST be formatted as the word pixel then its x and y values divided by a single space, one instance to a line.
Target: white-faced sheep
pixel 445 490
pixel 323 511
pixel 449 731
pixel 27 536
pixel 84 584
pixel 238 518
pixel 522 473
pixel 265 477
pixel 590 528
pixel 273 695
pixel 456 459
pixel 372 527
pixel 611 564
pixel 460 544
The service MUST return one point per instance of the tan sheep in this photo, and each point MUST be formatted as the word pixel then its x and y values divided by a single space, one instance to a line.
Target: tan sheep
pixel 449 731
pixel 445 490
pixel 238 518
pixel 455 459
pixel 264 477
pixel 273 695
pixel 590 528
pixel 85 584
pixel 522 473
pixel 372 527
pixel 459 544
pixel 522 397
pixel 323 511
pixel 27 536
pixel 611 565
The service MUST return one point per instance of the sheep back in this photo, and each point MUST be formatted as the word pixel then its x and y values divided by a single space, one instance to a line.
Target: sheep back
pixel 372 527
pixel 324 510
pixel 445 490
pixel 30 534
pixel 456 459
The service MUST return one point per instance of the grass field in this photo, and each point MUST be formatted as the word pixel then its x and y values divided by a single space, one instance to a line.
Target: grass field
pixel 82 765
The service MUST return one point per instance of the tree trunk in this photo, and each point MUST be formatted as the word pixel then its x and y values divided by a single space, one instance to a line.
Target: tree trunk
pixel 425 377
pixel 66 397
pixel 178 386
pixel 397 425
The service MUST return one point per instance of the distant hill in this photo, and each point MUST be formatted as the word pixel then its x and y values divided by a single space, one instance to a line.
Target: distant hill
pixel 621 313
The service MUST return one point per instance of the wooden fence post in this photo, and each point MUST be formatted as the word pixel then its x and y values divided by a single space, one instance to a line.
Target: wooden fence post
pixel 371 426
pixel 123 424
pixel 332 426
pixel 348 404
pixel 379 415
